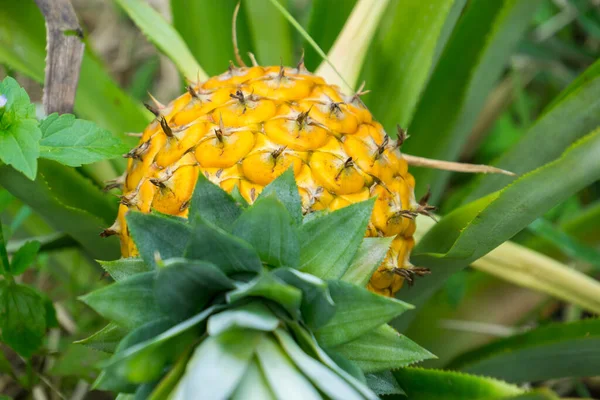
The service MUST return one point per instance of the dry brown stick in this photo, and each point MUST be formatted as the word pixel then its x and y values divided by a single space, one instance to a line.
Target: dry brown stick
pixel 64 55
pixel 454 166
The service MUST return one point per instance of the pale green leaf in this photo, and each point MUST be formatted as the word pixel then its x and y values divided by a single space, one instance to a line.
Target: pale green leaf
pixel 253 315
pixel 369 256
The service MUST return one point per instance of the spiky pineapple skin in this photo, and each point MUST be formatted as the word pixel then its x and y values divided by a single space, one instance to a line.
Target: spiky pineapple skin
pixel 247 126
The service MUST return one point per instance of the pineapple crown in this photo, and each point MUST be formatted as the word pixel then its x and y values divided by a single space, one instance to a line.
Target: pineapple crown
pixel 246 300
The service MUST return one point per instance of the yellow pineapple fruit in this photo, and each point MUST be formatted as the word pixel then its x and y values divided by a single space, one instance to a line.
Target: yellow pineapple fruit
pixel 247 126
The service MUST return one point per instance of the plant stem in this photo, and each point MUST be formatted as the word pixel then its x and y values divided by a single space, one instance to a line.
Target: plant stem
pixel 4 265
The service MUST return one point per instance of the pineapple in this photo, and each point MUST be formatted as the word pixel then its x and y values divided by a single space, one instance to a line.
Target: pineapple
pixel 246 301
pixel 247 126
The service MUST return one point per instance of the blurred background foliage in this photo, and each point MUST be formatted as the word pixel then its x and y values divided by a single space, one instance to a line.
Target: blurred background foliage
pixel 121 67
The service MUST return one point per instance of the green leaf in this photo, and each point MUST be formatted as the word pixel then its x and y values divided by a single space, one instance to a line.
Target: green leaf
pixel 335 12
pixel 358 311
pixel 183 287
pixel 327 381
pixel 170 381
pixel 278 48
pixel 231 254
pixel 153 233
pixel 309 343
pixel 249 316
pixel 144 353
pixel 194 19
pixel 268 227
pixel 75 142
pixel 369 256
pixel 285 380
pixel 470 65
pixel 253 385
pixel 4 264
pixel 317 305
pixel 230 352
pixel 552 351
pixel 22 318
pixel 410 42
pixel 164 36
pixel 430 384
pixel 383 349
pixel 213 204
pixel 129 303
pixel 82 216
pixel 106 339
pixel 284 189
pixel 384 383
pixel 329 243
pixel 19 131
pixel 124 267
pixel 24 257
pixel 270 287
pixel 565 242
pixel 576 114
pixel 473 230
pixel 540 394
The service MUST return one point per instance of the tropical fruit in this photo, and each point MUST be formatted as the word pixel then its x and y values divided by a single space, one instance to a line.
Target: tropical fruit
pixel 213 310
pixel 247 126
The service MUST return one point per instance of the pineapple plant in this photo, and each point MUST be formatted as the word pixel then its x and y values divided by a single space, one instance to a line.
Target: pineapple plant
pixel 247 126
pixel 249 299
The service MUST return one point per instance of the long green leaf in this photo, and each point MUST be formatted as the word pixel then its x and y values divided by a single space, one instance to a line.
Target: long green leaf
pixel 401 61
pixel 335 13
pixel 554 351
pixel 205 25
pixel 470 65
pixel 475 229
pixel 573 116
pixel 164 36
pixel 99 98
pixel 430 384
pixel 71 205
pixel 383 349
pixel 272 40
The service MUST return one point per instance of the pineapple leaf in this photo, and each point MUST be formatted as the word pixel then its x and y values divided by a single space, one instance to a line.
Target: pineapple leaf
pixel 253 386
pixel 143 354
pixel 268 227
pixel 329 243
pixel 106 339
pixel 285 380
pixel 172 378
pixel 230 253
pixel 355 378
pixel 383 349
pixel 218 365
pixel 369 256
pixel 213 204
pixel 237 196
pixel 279 47
pixel 153 233
pixel 322 377
pixel 166 38
pixel 253 315
pixel 124 365
pixel 317 305
pixel 124 267
pixel 384 383
pixel 429 384
pixel 552 351
pixel 284 188
pixel 358 311
pixel 473 230
pixel 183 287
pixel 270 287
pixel 129 303
pixel 575 114
pixel 485 37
